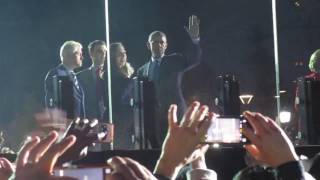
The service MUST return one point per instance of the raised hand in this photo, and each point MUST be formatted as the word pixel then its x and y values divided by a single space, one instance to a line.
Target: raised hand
pixel 194 27
pixel 270 144
pixel 82 130
pixel 37 159
pixel 181 145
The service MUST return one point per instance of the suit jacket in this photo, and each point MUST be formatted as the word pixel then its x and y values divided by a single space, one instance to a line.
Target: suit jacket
pixel 78 96
pixel 198 84
pixel 165 80
pixel 94 107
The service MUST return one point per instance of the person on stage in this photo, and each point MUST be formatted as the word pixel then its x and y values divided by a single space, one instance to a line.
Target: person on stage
pixel 163 70
pixel 314 66
pixel 95 82
pixel 71 58
pixel 122 94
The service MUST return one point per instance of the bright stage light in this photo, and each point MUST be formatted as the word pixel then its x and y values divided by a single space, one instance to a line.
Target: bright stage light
pixel 285 116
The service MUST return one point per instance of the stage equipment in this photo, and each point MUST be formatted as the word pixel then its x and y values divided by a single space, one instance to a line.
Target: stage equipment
pixel 229 101
pixel 308 103
pixel 144 104
pixel 63 95
pixel 246 98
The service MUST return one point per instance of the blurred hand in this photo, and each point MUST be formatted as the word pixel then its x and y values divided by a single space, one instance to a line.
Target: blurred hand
pixel 37 159
pixel 199 161
pixel 128 169
pixel 181 145
pixel 194 27
pixel 82 130
pixel 270 144
pixel 6 169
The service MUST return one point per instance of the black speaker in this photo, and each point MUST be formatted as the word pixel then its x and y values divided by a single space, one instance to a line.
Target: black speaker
pixel 63 95
pixel 309 110
pixel 228 101
pixel 144 113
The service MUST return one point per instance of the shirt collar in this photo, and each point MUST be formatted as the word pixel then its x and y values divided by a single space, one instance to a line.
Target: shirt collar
pixel 158 60
pixel 68 69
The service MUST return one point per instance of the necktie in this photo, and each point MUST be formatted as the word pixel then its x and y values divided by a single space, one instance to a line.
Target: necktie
pixel 99 73
pixel 156 69
pixel 74 80
pixel 100 92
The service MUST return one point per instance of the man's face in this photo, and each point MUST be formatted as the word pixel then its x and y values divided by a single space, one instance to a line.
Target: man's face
pixel 157 45
pixel 98 54
pixel 121 57
pixel 76 58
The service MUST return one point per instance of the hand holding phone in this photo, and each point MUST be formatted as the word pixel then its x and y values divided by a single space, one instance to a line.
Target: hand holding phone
pixel 226 131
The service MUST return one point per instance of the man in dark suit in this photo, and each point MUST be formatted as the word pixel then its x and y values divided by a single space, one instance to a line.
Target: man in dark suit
pixel 95 83
pixel 163 70
pixel 71 58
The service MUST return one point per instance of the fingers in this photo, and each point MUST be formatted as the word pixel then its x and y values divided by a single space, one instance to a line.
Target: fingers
pixel 187 118
pixel 205 124
pixel 24 152
pixel 193 20
pixel 6 164
pixel 249 133
pixel 50 157
pixel 199 116
pixel 119 165
pixel 42 146
pixel 258 122
pixel 273 125
pixel 172 116
pixel 89 125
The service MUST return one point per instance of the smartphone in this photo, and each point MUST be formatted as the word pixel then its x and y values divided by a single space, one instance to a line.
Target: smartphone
pixel 96 173
pixel 226 131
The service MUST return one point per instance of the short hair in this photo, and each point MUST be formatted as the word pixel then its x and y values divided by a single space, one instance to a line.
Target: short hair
pixel 156 33
pixel 68 47
pixel 113 48
pixel 95 43
pixel 313 60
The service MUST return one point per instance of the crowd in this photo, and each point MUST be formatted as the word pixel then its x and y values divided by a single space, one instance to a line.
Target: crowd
pixel 269 145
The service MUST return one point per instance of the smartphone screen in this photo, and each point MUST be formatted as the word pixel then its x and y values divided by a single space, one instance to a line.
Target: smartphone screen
pixel 225 131
pixel 96 173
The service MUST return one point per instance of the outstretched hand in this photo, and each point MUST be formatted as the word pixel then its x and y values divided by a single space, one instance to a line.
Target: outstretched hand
pixel 181 145
pixel 81 129
pixel 270 144
pixel 194 27
pixel 37 159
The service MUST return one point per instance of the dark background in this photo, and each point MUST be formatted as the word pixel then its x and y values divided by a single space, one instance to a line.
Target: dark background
pixel 236 38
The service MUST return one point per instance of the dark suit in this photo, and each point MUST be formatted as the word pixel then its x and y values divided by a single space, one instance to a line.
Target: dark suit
pixel 78 96
pixel 165 79
pixel 122 88
pixel 96 94
pixel 197 84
